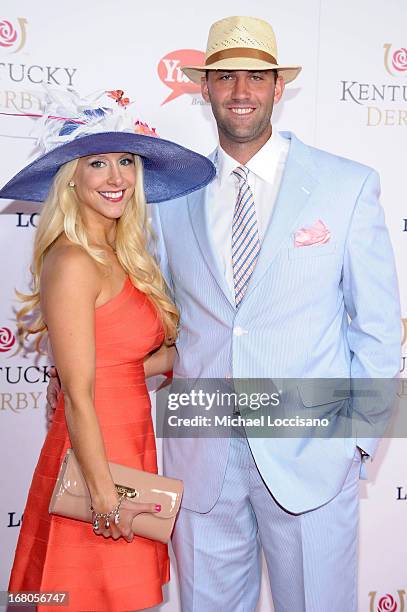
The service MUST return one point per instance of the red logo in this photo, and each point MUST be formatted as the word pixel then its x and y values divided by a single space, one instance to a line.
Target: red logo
pixel 8 34
pixel 399 60
pixel 395 60
pixel 387 603
pixel 12 36
pixel 170 73
pixel 7 339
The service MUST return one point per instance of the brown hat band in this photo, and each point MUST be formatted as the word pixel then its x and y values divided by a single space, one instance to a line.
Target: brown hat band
pixel 242 52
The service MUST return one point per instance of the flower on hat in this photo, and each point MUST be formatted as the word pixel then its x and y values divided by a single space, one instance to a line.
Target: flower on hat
pixel 117 95
pixel 144 128
pixel 68 116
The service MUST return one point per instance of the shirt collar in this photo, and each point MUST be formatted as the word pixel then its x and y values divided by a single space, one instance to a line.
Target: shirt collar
pixel 262 164
pixel 225 165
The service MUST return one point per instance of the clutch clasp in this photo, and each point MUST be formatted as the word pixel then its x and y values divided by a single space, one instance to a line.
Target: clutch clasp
pixel 127 491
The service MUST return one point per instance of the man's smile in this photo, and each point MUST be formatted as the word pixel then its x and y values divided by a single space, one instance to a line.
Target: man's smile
pixel 242 110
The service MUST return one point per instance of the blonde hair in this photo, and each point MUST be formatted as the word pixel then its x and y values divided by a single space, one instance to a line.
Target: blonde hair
pixel 61 214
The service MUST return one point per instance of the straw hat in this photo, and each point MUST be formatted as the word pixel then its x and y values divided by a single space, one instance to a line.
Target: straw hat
pixel 241 43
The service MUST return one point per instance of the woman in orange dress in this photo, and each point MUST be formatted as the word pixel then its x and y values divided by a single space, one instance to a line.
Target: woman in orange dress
pixel 101 299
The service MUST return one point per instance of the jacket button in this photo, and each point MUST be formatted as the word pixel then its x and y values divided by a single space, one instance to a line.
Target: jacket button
pixel 239 331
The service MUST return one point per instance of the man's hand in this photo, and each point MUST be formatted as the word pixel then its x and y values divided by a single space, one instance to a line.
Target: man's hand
pixel 53 391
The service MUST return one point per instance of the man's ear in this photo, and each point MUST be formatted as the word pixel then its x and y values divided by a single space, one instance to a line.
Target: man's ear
pixel 278 89
pixel 204 89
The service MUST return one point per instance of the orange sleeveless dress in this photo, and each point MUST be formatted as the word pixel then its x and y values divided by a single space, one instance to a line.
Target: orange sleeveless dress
pixel 59 554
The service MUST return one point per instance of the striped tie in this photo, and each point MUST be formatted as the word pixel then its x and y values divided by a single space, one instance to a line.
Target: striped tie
pixel 245 235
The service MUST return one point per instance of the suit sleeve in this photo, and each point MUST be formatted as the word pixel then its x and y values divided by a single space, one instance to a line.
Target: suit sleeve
pixel 372 302
pixel 157 246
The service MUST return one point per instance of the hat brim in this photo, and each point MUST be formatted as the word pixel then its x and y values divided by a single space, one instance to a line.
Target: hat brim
pixel 195 73
pixel 170 170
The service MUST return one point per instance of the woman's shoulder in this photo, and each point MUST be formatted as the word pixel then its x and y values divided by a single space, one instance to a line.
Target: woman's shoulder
pixel 68 264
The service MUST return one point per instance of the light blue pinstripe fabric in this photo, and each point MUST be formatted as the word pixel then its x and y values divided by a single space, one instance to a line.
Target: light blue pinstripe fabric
pixel 218 552
pixel 295 315
pixel 293 322
pixel 245 235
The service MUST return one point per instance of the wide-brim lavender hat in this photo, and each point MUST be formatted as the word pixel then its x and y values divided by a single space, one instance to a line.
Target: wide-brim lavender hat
pixel 170 170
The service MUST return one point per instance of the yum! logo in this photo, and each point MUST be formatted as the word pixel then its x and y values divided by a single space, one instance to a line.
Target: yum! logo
pixel 170 73
pixel 395 60
pixel 12 35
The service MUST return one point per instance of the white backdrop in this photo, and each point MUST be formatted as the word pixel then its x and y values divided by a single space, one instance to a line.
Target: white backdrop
pixel 351 99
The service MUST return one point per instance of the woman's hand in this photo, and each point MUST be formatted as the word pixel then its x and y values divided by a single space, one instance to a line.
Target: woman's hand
pixel 160 362
pixel 128 510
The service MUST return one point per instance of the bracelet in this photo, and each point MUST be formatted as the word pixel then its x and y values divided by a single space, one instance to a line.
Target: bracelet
pixel 115 514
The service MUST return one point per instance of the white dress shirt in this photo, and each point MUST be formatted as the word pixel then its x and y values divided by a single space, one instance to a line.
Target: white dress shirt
pixel 266 171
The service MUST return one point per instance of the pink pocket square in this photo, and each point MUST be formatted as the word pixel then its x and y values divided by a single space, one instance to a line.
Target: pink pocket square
pixel 316 234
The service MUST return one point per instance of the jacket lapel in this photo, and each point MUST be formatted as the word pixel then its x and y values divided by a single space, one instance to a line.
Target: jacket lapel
pixel 297 184
pixel 198 203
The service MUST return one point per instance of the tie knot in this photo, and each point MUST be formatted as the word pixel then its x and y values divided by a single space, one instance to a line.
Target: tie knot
pixel 241 172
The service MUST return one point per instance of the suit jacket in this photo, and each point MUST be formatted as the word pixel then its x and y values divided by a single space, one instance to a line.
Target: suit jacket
pixel 323 311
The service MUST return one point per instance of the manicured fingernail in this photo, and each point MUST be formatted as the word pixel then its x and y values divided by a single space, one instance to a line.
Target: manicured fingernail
pixel 158 507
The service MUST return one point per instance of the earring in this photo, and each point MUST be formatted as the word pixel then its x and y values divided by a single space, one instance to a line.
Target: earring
pixel 71 184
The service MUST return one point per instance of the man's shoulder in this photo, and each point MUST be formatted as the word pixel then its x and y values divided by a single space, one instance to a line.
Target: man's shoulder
pixel 182 200
pixel 151 206
pixel 176 203
pixel 326 159
pixel 329 163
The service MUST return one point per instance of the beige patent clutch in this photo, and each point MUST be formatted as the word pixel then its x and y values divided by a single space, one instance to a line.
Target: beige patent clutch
pixel 71 498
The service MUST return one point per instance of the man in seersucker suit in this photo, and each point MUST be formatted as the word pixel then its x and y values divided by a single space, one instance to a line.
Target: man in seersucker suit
pixel 281 268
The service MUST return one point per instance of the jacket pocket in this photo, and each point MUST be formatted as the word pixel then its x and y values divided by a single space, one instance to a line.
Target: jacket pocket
pixel 320 391
pixel 314 250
